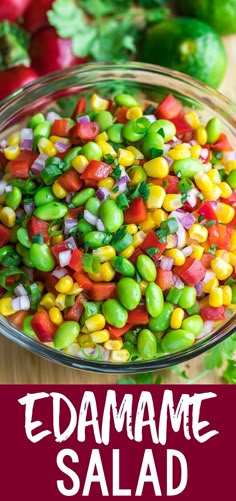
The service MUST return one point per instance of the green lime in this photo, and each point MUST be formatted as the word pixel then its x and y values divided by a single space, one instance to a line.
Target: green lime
pixel 221 15
pixel 187 45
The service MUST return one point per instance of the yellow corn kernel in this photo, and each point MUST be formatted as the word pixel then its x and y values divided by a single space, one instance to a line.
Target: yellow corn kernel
pixel 232 258
pixel 157 167
pixel 136 176
pixel 6 308
pixel 119 355
pixel 105 253
pixel 223 254
pixel 106 183
pixel 8 217
pixel 224 212
pixel 233 241
pixel 198 232
pixel 192 118
pixel 127 252
pixel 40 286
pixel 222 269
pixel 75 289
pixel 95 277
pixel 107 272
pixel 84 340
pixel 156 197
pixel 216 297
pixel 132 228
pixel 84 330
pixel 57 239
pixel 64 140
pixel 64 284
pixel 226 190
pixel 201 135
pixel 134 113
pixel 46 146
pixel 95 323
pixel 214 194
pixel 196 151
pixel 143 285
pixel 177 318
pixel 12 152
pixel 14 139
pixel 79 163
pixel 58 190
pixel 55 315
pixel 60 301
pixel 227 294
pixel 203 181
pixel 97 103
pixel 113 344
pixel 229 166
pixel 100 336
pixel 138 238
pixel 107 149
pixel 137 153
pixel 48 300
pixel 148 224
pixel 179 152
pixel 211 284
pixel 159 215
pixel 214 176
pixel 102 137
pixel 197 251
pixel 177 255
pixel 125 157
pixel 172 202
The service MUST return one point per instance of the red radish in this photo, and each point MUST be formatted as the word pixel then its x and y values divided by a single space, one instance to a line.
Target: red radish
pixel 35 16
pixel 49 52
pixel 13 79
pixel 12 9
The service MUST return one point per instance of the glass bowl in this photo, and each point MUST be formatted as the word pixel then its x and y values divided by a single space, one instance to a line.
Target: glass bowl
pixel 149 83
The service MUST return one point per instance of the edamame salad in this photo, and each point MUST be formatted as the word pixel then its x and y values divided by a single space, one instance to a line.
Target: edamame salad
pixel 117 228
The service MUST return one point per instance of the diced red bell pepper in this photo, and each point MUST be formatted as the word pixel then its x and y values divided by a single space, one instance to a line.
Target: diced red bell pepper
pixel 222 144
pixel 182 126
pixel 213 313
pixel 5 235
pixel 206 210
pixel 102 290
pixel 96 170
pixel 172 186
pixel 169 108
pixel 17 318
pixel 83 280
pixel 137 211
pixel 138 316
pixel 219 235
pixel 80 107
pixel 165 279
pixel 60 127
pixel 3 160
pixel 121 115
pixel 191 272
pixel 117 332
pixel 68 244
pixel 83 131
pixel 70 181
pixel 74 312
pixel 206 259
pixel 76 260
pixel 19 168
pixel 73 213
pixel 135 255
pixel 36 226
pixel 151 240
pixel 43 327
pixel 50 283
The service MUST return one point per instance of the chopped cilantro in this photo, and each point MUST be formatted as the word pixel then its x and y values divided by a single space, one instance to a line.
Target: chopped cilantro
pixel 210 223
pixel 116 173
pixel 212 249
pixel 162 235
pixel 200 219
pixel 155 152
pixel 184 198
pixel 115 189
pixel 141 190
pixel 37 239
pixel 161 132
pixel 165 183
pixel 200 196
pixel 149 110
pixel 109 159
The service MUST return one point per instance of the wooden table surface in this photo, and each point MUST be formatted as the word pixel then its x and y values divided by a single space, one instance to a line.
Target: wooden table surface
pixel 17 365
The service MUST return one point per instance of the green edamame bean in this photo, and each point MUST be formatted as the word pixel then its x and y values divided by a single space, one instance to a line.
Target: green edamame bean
pixel 5 251
pixel 27 327
pixel 93 205
pixel 70 156
pixel 13 198
pixel 22 251
pixel 129 132
pixel 193 324
pixel 123 266
pixel 92 151
pixel 154 299
pixel 82 197
pixel 176 340
pixel 44 196
pixel 23 237
pixel 104 120
pixel 115 133
pixel 233 294
pixel 114 313
pixel 36 120
pixel 188 297
pixel 130 336
pixel 167 126
pixel 112 216
pixel 43 129
pixel 162 322
pixel 66 334
pixel 96 239
pixel 129 293
pixel 146 344
pixel 41 257
pixel 187 167
pixel 146 268
pixel 51 211
pixel 214 129
pixel 151 142
pixel 231 179
pixel 84 227
pixel 126 100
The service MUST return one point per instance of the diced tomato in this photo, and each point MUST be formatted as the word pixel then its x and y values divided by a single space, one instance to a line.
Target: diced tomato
pixel 222 144
pixel 3 160
pixel 219 235
pixel 135 256
pixel 37 226
pixel 206 259
pixel 151 241
pixel 138 316
pixel 212 313
pixel 171 187
pixel 191 272
pixel 165 279
pixel 121 115
pixel 50 283
pixel 182 126
pixel 17 318
pixel 74 312
pixel 137 211
pixel 76 260
pixel 96 170
pixel 231 199
pixel 169 108
pixel 80 107
pixel 19 168
pixel 5 235
pixel 83 281
pixel 83 131
pixel 43 327
pixel 102 290
pixel 73 213
pixel 68 244
pixel 206 210
pixel 70 181
pixel 12 279
pixel 115 332
pixel 60 127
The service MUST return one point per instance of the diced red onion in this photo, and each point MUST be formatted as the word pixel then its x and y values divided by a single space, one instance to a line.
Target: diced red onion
pixel 3 144
pixel 193 142
pixel 20 290
pixel 122 183
pixel 213 204
pixel 8 188
pixel 199 289
pixel 166 147
pixel 192 197
pixel 52 115
pixel 204 154
pixel 39 164
pixel 166 263
pixel 68 224
pixel 27 133
pixel 187 251
pixel 174 142
pixel 181 236
pixel 151 118
pixel 90 218
pixel 188 221
pixel 168 159
pixel 29 208
pixel 69 196
pixel 208 276
pixel 179 284
pixel 61 146
pixel 84 119
pixel 64 258
pixel 102 193
pixel 86 351
pixel 20 212
pixel 207 167
pixel 99 225
pixel 21 303
pixel 59 273
pixel 3 185
pixel 26 144
pixel 229 155
pixel 207 329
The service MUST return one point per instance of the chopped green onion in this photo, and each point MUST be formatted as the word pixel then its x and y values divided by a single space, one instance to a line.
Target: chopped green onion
pixel 162 235
pixel 151 251
pixel 90 263
pixel 170 225
pixel 91 357
pixel 212 249
pixel 174 295
pixel 50 173
pixel 34 294
pixel 37 239
pixel 122 201
pixel 141 125
pixel 149 110
pixel 55 233
pixel 70 300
